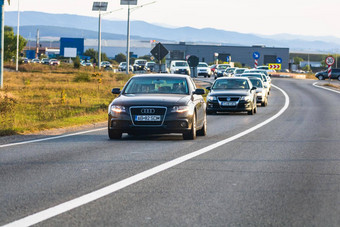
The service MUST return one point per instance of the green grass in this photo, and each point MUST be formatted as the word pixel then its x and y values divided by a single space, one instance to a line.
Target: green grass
pixel 45 100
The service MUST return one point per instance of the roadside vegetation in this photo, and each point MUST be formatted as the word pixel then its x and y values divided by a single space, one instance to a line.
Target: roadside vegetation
pixel 42 97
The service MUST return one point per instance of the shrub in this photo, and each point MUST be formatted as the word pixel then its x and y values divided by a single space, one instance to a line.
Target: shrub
pixel 82 77
pixel 76 63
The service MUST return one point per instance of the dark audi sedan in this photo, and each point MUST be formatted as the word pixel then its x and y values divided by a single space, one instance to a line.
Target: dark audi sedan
pixel 157 104
pixel 232 94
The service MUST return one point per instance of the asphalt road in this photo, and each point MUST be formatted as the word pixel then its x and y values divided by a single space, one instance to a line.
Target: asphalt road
pixel 286 173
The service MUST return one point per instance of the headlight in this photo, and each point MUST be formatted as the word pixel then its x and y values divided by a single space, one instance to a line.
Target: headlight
pixel 259 93
pixel 180 109
pixel 117 109
pixel 246 98
pixel 212 98
pixel 176 70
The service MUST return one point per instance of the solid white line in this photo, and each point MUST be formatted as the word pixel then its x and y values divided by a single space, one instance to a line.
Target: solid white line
pixel 80 201
pixel 50 138
pixel 329 89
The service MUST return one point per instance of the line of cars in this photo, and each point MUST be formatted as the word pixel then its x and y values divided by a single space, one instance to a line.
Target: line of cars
pixel 171 103
pixel 45 61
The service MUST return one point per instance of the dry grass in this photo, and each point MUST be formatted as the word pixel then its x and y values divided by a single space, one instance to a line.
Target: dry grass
pixel 43 99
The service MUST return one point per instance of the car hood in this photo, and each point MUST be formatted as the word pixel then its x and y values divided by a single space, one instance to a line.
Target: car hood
pixel 236 92
pixel 152 100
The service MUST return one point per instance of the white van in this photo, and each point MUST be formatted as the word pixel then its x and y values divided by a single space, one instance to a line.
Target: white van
pixel 179 67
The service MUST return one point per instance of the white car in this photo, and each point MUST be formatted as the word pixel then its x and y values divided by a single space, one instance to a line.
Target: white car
pixel 203 69
pixel 122 67
pixel 239 71
pixel 105 64
pixel 229 72
pixel 179 67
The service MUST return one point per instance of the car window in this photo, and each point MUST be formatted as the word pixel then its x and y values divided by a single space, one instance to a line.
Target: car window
pixel 202 65
pixel 157 85
pixel 179 64
pixel 230 84
pixel 256 83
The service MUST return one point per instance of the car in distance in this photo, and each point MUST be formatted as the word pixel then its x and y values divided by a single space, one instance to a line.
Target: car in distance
pixel 106 64
pixel 157 104
pixel 232 94
pixel 261 90
pixel 260 75
pixel 203 69
pixel 239 71
pixel 54 62
pixel 139 65
pixel 179 67
pixel 229 72
pixel 36 60
pixel 324 74
pixel 45 61
pixel 220 69
pixel 122 67
pixel 149 66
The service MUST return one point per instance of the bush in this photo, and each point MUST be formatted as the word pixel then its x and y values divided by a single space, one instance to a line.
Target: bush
pixel 76 63
pixel 7 114
pixel 82 77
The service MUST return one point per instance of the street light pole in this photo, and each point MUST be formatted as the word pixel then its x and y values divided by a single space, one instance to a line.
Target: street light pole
pixel 100 40
pixel 128 43
pixel 17 58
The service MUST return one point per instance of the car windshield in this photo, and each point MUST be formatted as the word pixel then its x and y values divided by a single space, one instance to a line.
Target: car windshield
pixel 202 65
pixel 157 85
pixel 253 75
pixel 239 71
pixel 222 66
pixel 230 84
pixel 184 63
pixel 256 83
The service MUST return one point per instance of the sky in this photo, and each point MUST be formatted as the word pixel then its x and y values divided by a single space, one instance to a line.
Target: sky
pixel 265 17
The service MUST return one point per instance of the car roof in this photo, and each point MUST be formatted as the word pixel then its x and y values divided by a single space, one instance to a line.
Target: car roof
pixel 162 75
pixel 232 78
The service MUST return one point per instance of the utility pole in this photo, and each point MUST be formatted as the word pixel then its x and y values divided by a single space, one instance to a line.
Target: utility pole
pixel 18 26
pixel 128 42
pixel 99 40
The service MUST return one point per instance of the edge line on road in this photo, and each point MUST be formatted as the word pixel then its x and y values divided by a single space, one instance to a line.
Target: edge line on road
pixel 50 138
pixel 100 193
pixel 329 89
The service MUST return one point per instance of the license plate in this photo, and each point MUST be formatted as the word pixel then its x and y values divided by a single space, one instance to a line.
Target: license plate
pixel 148 118
pixel 228 103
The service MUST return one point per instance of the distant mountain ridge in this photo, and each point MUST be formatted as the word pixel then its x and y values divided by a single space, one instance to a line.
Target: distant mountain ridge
pixel 62 25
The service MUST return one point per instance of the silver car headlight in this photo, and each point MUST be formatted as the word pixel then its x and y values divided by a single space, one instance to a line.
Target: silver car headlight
pixel 246 98
pixel 212 98
pixel 180 109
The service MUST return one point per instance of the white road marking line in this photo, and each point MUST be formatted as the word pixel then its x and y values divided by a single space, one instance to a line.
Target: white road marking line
pixel 329 89
pixel 50 138
pixel 80 201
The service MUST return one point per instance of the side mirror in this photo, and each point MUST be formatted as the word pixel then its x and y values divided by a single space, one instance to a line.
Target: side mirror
pixel 208 88
pixel 199 91
pixel 265 86
pixel 115 91
pixel 253 88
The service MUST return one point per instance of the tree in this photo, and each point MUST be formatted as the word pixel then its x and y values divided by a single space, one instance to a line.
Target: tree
pixel 120 58
pixel 93 54
pixel 10 43
pixel 297 60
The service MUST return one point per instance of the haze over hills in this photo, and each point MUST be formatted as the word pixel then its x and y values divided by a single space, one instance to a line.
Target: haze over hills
pixel 65 25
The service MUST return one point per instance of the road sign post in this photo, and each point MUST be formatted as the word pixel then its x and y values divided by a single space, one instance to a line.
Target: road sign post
pixel 193 63
pixel 256 56
pixel 329 61
pixel 159 52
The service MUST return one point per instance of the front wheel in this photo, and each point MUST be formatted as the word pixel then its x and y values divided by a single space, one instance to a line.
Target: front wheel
pixel 191 135
pixel 114 134
pixel 203 130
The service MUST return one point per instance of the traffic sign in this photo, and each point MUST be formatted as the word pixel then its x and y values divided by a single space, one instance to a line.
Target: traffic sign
pixel 159 51
pixel 128 2
pixel 274 66
pixel 279 60
pixel 256 55
pixel 330 61
pixel 228 58
pixel 193 61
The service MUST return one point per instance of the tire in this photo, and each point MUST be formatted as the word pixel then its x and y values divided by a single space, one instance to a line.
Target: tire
pixel 114 134
pixel 251 112
pixel 265 103
pixel 203 130
pixel 209 112
pixel 339 78
pixel 191 135
pixel 320 77
pixel 255 109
